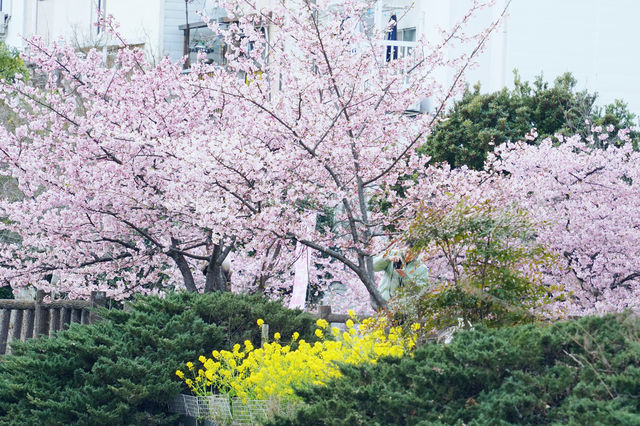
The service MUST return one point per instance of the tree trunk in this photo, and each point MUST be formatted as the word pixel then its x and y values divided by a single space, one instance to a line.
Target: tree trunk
pixel 216 279
pixel 368 278
pixel 377 301
pixel 183 266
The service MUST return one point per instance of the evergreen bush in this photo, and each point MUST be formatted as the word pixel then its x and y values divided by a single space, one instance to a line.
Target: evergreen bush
pixel 478 122
pixel 121 370
pixel 581 372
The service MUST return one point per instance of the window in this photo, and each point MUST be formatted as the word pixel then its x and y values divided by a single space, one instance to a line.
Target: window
pixel 202 39
pixel 407 34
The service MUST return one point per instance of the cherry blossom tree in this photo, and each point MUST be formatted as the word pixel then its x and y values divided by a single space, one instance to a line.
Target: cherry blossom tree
pixel 586 195
pixel 137 176
pixel 581 195
pixel 336 127
pixel 95 159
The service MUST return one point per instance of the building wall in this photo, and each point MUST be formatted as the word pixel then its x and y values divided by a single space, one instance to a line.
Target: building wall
pixel 140 21
pixel 20 17
pixel 174 16
pixel 592 39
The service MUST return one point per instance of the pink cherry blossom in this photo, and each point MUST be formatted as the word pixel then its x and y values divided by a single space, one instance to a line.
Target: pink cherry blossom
pixel 137 176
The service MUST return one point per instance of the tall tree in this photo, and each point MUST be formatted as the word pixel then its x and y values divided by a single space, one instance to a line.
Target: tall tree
pixel 478 121
pixel 136 174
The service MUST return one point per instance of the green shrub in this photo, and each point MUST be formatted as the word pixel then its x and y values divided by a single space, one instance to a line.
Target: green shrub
pixel 478 122
pixel 6 293
pixel 122 370
pixel 488 267
pixel 11 63
pixel 579 372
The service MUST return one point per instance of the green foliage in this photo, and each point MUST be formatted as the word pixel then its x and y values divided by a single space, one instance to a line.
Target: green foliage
pixel 6 293
pixel 578 372
pixel 478 122
pixel 490 261
pixel 11 63
pixel 121 370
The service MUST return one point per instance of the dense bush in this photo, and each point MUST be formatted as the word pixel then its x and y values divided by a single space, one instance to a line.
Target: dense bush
pixel 121 370
pixel 480 121
pixel 485 267
pixel 11 63
pixel 575 372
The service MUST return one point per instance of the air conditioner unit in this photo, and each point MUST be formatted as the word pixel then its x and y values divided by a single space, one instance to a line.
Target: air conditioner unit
pixel 4 23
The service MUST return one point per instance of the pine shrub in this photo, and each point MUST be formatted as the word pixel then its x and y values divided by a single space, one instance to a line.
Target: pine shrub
pixel 479 121
pixel 122 370
pixel 583 371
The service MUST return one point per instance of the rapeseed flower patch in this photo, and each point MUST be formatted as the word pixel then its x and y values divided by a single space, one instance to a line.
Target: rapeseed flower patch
pixel 272 371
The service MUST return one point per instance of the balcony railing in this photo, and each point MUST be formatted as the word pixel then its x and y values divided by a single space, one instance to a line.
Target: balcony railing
pixel 403 48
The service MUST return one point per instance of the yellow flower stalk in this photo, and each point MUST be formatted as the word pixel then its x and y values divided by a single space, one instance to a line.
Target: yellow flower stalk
pixel 273 370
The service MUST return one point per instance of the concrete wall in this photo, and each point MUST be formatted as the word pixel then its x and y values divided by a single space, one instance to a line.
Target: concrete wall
pixel 592 39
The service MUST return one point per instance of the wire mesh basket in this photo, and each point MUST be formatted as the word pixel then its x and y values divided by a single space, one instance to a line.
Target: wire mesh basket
pixel 214 407
pixel 229 411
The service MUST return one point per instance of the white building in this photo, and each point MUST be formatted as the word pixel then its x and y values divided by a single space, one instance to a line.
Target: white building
pixel 590 38
pixel 594 40
pixel 152 23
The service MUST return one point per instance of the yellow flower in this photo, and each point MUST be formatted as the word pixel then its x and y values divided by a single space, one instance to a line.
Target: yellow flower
pixel 322 323
pixel 248 346
pixel 202 359
pixel 351 313
pixel 180 374
pixel 190 365
pixel 349 323
pixel 260 322
pixel 275 370
pixel 415 326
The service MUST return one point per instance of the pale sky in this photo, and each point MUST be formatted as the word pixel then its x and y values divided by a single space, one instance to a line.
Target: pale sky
pixel 596 40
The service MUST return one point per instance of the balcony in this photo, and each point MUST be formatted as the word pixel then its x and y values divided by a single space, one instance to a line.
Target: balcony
pixel 402 48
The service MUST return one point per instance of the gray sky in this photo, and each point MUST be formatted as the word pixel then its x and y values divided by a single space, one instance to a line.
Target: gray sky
pixel 596 40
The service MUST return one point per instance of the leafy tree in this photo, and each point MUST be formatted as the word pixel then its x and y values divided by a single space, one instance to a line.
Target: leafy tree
pixel 121 370
pixel 11 63
pixel 137 175
pixel 584 371
pixel 478 122
pixel 486 266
